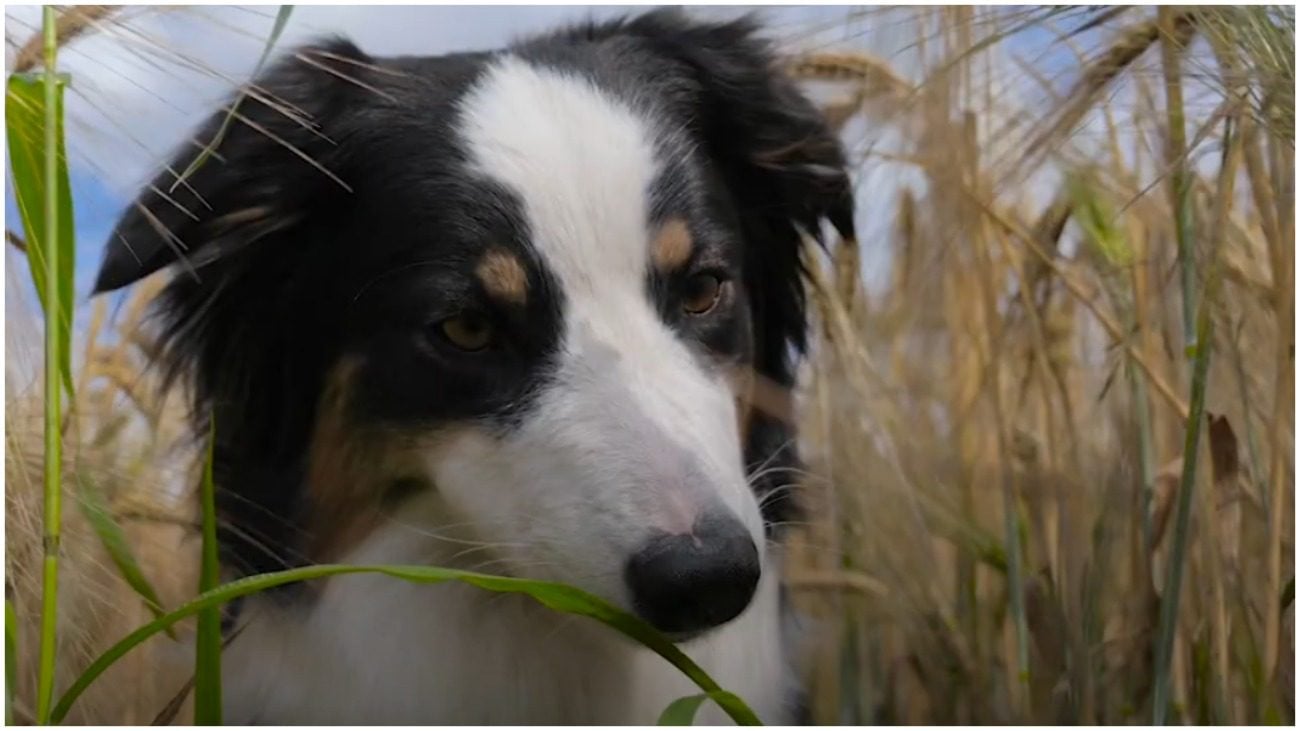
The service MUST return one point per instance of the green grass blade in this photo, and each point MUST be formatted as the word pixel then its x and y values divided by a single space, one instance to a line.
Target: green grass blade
pixel 1180 187
pixel 115 544
pixel 207 657
pixel 11 660
pixel 1013 528
pixel 47 248
pixel 554 596
pixel 1178 551
pixel 281 20
pixel 38 163
pixel 681 712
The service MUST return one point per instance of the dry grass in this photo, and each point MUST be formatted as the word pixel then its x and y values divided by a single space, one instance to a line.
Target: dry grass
pixel 995 430
pixel 1011 356
pixel 132 449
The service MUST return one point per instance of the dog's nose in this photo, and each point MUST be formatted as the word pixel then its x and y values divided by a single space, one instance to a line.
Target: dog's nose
pixel 693 582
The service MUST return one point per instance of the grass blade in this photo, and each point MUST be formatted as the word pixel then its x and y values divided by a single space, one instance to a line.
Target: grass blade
pixel 114 541
pixel 34 130
pixel 207 657
pixel 1180 189
pixel 25 122
pixel 681 712
pixel 554 596
pixel 1178 551
pixel 11 660
pixel 49 250
pixel 281 20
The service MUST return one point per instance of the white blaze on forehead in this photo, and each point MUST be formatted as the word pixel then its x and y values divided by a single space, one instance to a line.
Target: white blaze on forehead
pixel 581 162
pixel 629 409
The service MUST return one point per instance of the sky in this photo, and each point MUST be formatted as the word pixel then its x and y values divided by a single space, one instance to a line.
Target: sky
pixel 141 86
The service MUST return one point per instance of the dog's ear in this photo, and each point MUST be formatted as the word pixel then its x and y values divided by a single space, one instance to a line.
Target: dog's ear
pixel 784 166
pixel 278 149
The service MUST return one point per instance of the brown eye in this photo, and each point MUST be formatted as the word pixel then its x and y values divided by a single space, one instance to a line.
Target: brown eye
pixel 702 293
pixel 469 331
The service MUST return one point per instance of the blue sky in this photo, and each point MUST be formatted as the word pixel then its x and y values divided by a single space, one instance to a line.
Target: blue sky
pixel 96 208
pixel 129 107
pixel 132 103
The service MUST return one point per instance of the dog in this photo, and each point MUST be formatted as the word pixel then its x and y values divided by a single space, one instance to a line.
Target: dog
pixel 534 312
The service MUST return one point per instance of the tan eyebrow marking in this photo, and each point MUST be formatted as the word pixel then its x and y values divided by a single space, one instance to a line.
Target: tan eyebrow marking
pixel 503 276
pixel 672 245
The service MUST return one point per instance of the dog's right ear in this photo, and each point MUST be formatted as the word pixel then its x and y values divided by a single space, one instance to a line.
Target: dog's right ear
pixel 279 149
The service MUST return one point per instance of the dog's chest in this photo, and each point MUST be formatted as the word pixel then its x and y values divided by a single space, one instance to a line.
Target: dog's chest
pixel 379 651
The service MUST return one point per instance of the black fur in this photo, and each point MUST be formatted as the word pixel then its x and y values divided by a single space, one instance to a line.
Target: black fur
pixel 262 307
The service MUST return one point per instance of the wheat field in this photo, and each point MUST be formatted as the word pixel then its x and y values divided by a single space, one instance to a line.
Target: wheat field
pixel 996 410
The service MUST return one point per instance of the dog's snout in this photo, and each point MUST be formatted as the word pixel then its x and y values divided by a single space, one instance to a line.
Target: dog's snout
pixel 692 582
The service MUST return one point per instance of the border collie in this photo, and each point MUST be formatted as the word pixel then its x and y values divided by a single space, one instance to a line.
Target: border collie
pixel 534 311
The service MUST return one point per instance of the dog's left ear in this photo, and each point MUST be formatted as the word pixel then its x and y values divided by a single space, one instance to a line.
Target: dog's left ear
pixel 784 166
pixel 270 156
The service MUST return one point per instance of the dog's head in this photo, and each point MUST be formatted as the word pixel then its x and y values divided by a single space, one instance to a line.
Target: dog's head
pixel 522 301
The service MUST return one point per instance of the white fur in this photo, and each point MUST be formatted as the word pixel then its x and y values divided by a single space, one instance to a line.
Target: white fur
pixel 634 434
pixel 376 650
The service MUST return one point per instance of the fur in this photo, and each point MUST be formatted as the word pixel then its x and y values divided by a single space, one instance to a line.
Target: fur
pixel 432 308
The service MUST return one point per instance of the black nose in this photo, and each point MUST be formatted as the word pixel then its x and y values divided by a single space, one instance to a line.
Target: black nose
pixel 690 583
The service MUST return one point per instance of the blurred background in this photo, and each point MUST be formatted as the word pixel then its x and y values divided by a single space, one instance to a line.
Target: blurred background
pixel 1059 211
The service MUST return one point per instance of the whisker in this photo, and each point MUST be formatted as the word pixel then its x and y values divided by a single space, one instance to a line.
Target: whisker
pixel 435 532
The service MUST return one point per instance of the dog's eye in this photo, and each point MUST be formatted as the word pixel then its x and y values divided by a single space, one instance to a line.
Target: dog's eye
pixel 702 293
pixel 469 331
